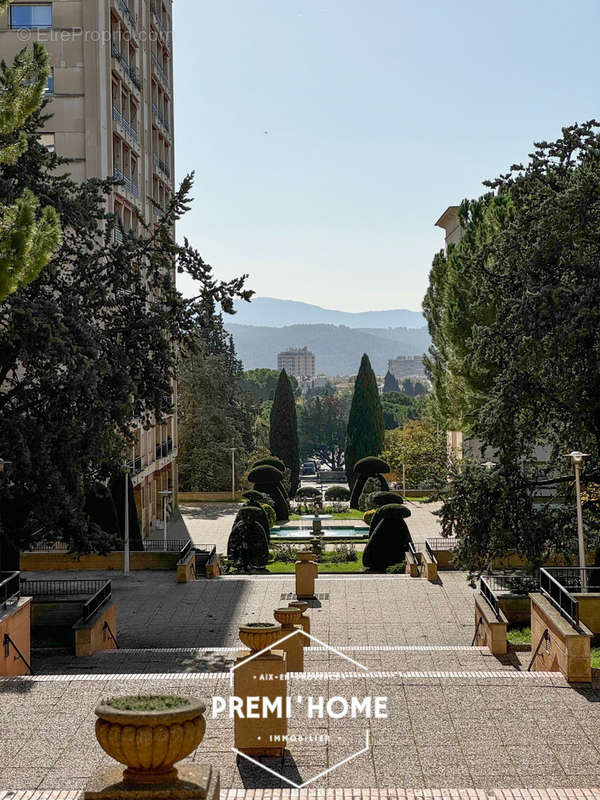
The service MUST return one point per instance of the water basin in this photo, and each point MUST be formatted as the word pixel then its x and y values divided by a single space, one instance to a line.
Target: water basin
pixel 295 532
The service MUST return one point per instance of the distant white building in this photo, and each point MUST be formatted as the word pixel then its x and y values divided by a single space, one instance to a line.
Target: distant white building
pixel 407 367
pixel 297 361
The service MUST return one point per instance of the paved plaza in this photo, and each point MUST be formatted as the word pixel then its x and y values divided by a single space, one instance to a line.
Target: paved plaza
pixel 457 716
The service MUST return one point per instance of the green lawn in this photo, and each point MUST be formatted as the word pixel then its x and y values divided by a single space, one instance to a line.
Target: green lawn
pixel 519 635
pixel 325 567
pixel 596 657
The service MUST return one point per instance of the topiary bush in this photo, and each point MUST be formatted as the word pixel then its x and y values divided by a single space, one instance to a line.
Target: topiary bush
pixel 270 512
pixel 337 494
pixel 385 498
pixel 370 488
pixel 267 479
pixel 393 510
pixel 389 541
pixel 270 461
pixel 247 546
pixel 256 514
pixel 256 498
pixel 365 469
pixel 368 516
pixel 307 493
pixel 265 475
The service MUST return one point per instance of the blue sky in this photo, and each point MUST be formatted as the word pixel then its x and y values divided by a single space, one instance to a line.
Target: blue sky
pixel 378 116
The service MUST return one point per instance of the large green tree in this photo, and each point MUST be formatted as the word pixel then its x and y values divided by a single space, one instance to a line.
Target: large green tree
pixel 283 433
pixel 215 413
pixel 365 432
pixel 87 350
pixel 29 231
pixel 420 447
pixel 322 425
pixel 514 311
pixel 262 383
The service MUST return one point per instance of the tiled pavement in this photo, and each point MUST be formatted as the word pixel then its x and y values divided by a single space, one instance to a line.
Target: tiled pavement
pixel 458 717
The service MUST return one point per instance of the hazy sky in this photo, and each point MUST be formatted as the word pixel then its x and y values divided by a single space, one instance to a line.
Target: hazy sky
pixel 328 137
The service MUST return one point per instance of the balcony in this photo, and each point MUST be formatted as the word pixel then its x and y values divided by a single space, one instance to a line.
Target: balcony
pixel 118 235
pixel 158 21
pixel 157 210
pixel 160 71
pixel 127 13
pixel 130 184
pixel 130 130
pixel 161 165
pixel 129 70
pixel 161 118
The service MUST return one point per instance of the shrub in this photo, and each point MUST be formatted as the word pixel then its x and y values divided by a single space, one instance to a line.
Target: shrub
pixel 270 461
pixel 286 553
pixel 343 553
pixel 308 492
pixel 256 498
pixel 370 466
pixel 338 493
pixel 270 512
pixel 368 516
pixel 385 498
pixel 397 569
pixel 254 514
pixel 372 486
pixel 265 475
pixel 389 540
pixel 247 546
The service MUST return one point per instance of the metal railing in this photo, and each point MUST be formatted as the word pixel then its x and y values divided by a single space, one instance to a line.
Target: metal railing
pixel 442 543
pixel 128 13
pixel 93 604
pixel 129 129
pixel 161 165
pixel 512 584
pixel 488 595
pixel 129 183
pixel 561 599
pixel 49 547
pixel 413 552
pixel 430 552
pixel 160 71
pixel 9 587
pixel 61 588
pixel 160 117
pixel 130 70
pixel 157 19
pixel 159 545
pixel 577 579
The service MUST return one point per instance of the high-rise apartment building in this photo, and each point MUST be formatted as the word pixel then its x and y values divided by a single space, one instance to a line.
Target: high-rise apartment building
pixel 111 91
pixel 299 362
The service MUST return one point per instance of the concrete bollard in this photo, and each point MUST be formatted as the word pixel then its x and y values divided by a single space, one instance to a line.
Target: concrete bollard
pixel 304 619
pixel 306 573
pixel 262 676
pixel 294 646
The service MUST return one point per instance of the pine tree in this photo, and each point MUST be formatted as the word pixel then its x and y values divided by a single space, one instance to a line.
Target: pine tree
pixel 29 235
pixel 365 433
pixel 283 434
pixel 390 383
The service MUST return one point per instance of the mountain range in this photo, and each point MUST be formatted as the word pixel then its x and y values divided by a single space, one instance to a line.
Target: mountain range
pixel 337 348
pixel 275 313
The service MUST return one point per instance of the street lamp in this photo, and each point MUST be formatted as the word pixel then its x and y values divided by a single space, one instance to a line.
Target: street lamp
pixel 577 460
pixel 164 494
pixel 126 524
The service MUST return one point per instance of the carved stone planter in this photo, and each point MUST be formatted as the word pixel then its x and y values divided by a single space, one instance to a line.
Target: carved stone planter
pixel 149 743
pixel 259 635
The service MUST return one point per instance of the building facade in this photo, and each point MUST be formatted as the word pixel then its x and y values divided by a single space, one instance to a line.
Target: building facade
pixel 297 361
pixel 407 367
pixel 111 91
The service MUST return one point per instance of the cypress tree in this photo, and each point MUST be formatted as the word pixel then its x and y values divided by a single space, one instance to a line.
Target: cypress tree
pixel 365 433
pixel 390 384
pixel 283 433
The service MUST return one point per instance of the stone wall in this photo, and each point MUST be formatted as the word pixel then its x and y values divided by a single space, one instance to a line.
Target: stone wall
pixel 16 621
pixel 563 648
pixel 91 636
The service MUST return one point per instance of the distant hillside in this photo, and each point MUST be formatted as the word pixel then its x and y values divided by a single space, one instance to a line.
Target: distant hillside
pixel 338 349
pixel 274 313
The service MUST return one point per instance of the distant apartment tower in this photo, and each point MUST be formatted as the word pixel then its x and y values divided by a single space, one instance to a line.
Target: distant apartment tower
pixel 407 367
pixel 111 92
pixel 299 362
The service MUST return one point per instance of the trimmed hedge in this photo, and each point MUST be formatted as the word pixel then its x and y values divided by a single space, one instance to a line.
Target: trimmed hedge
pixel 308 492
pixel 265 475
pixel 386 498
pixel 270 461
pixel 370 466
pixel 389 541
pixel 270 512
pixel 337 493
pixel 247 546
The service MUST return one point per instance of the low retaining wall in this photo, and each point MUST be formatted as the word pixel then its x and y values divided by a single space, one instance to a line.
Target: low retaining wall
pixel 589 610
pixel 429 568
pixel 516 608
pixel 186 569
pixel 16 621
pixel 490 631
pixel 208 497
pixel 91 636
pixel 48 562
pixel 564 648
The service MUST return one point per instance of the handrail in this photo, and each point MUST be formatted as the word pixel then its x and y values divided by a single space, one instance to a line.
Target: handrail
pixel 576 579
pixel 10 587
pixel 430 552
pixel 488 595
pixel 479 624
pixel 544 637
pixel 61 588
pixel 94 603
pixel 561 599
pixel 106 627
pixel 413 552
pixel 160 546
pixel 8 643
pixel 442 543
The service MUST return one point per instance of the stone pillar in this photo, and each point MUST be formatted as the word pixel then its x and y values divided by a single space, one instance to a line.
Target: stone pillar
pixel 304 619
pixel 317 526
pixel 261 676
pixel 294 648
pixel 306 573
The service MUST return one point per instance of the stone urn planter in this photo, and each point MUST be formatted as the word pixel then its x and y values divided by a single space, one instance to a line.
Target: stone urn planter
pixel 306 556
pixel 259 635
pixel 150 742
pixel 288 617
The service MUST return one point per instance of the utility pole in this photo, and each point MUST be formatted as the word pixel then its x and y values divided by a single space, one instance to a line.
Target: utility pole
pixel 577 460
pixel 233 449
pixel 126 526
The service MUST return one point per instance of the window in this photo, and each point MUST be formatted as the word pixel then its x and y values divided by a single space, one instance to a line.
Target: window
pixel 31 16
pixel 47 141
pixel 50 84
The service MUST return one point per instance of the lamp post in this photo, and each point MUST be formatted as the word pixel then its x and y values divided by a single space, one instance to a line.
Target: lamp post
pixel 164 494
pixel 577 460
pixel 126 525
pixel 233 473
